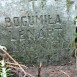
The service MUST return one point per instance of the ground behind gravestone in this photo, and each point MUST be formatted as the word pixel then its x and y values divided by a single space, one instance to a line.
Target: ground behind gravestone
pixel 56 71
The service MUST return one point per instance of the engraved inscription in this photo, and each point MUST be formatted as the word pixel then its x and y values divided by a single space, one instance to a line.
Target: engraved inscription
pixel 32 20
pixel 27 38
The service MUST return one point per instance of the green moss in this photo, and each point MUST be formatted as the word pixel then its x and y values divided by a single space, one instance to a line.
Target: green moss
pixel 43 3
pixel 68 4
pixel 75 35
pixel 33 3
pixel 76 17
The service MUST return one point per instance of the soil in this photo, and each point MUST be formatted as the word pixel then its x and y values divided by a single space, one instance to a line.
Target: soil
pixel 54 71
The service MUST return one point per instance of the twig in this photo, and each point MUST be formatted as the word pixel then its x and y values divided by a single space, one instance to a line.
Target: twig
pixel 14 67
pixel 17 63
pixel 64 73
pixel 39 70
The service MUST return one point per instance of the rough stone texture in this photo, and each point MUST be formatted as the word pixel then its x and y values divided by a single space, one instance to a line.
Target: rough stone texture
pixel 47 38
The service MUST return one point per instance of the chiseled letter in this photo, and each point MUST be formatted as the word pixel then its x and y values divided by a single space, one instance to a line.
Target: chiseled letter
pixel 8 22
pixel 24 21
pixel 16 21
pixel 58 19
pixel 50 20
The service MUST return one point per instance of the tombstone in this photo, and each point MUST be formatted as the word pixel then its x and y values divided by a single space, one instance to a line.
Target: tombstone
pixel 37 30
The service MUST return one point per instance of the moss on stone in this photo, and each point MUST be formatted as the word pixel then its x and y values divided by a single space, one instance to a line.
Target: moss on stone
pixel 68 4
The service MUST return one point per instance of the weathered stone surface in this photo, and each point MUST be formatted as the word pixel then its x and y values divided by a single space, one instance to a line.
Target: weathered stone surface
pixel 37 30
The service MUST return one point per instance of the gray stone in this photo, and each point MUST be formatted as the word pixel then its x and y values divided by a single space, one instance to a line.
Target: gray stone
pixel 37 30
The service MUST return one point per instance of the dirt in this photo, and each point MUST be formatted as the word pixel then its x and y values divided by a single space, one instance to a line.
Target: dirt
pixel 56 71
